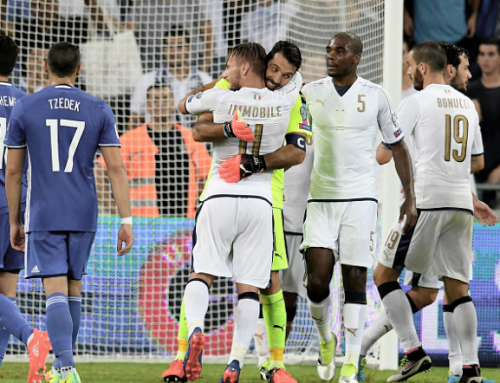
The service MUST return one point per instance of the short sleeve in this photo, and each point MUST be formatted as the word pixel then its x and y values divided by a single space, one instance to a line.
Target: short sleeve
pixel 292 89
pixel 206 101
pixel 298 118
pixel 387 119
pixel 16 134
pixel 109 134
pixel 477 143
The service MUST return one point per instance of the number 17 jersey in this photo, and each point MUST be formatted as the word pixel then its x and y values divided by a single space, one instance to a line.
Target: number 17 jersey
pixel 61 127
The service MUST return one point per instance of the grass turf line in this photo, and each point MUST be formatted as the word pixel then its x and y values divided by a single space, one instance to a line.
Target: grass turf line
pixel 147 372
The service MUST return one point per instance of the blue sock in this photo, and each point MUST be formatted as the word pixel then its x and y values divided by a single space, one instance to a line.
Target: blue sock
pixel 4 338
pixel 60 328
pixel 75 309
pixel 12 320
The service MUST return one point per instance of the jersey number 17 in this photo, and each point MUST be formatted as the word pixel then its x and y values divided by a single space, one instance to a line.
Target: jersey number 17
pixel 54 141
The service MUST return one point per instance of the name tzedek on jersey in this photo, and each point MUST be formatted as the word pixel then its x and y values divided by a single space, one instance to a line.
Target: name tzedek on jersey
pixel 64 103
pixel 7 101
pixel 452 103
pixel 255 111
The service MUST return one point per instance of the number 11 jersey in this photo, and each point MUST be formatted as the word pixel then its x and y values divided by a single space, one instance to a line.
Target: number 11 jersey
pixel 61 127
pixel 444 125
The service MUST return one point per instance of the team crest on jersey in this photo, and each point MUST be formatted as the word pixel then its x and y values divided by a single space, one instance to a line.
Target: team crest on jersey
pixel 303 112
pixel 339 116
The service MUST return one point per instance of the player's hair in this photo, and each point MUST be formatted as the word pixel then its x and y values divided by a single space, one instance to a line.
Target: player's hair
pixel 159 85
pixel 430 53
pixel 290 52
pixel 8 55
pixel 408 41
pixel 176 31
pixel 356 43
pixel 253 53
pixel 63 59
pixel 453 54
pixel 491 41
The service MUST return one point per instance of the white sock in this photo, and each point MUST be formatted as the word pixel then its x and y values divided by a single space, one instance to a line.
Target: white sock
pixel 399 312
pixel 354 324
pixel 465 319
pixel 65 371
pixel 320 313
pixel 260 339
pixel 245 318
pixel 196 302
pixel 454 353
pixel 380 326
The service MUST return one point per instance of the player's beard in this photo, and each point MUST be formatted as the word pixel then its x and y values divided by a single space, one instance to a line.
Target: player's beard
pixel 458 84
pixel 418 80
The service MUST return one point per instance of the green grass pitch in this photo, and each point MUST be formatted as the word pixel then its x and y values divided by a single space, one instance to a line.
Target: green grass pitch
pixel 147 372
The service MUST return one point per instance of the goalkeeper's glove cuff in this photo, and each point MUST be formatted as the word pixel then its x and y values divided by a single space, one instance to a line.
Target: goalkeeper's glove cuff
pixel 228 130
pixel 258 163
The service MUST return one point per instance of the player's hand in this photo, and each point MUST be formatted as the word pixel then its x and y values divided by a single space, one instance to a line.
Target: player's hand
pixel 484 214
pixel 238 128
pixel 17 237
pixel 241 166
pixel 409 209
pixel 126 235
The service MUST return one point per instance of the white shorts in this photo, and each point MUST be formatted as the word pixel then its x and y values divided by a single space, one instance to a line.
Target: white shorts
pixel 347 228
pixel 293 279
pixel 442 244
pixel 393 255
pixel 233 237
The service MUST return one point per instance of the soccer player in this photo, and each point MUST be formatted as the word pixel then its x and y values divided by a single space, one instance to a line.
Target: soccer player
pixel 61 128
pixel 246 227
pixel 283 62
pixel 424 287
pixel 346 112
pixel 445 128
pixel 11 260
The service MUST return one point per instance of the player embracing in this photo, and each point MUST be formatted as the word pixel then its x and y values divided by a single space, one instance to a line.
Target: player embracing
pixel 236 216
pixel 61 129
pixel 346 112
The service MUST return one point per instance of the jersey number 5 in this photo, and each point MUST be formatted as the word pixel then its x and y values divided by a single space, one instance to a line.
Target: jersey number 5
pixel 256 144
pixel 459 119
pixel 3 132
pixel 54 142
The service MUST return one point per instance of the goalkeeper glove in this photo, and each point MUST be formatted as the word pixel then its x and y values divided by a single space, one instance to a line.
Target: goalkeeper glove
pixel 238 128
pixel 241 166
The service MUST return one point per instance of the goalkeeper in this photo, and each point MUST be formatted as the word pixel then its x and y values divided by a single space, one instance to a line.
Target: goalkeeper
pixel 283 61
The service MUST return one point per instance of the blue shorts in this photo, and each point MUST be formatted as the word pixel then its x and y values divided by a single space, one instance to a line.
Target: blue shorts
pixel 10 260
pixel 58 253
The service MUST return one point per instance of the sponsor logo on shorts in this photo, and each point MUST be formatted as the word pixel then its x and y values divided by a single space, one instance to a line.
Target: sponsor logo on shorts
pixel 35 269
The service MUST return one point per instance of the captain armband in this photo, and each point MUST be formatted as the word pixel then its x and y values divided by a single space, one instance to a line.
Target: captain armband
pixel 296 140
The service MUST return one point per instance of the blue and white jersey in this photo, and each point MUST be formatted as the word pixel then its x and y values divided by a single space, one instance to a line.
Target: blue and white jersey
pixel 9 95
pixel 62 128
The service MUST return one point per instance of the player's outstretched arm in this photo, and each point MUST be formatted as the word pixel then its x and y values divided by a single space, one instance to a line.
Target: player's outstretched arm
pixel 483 213
pixel 182 103
pixel 402 161
pixel 13 179
pixel 117 174
pixel 293 153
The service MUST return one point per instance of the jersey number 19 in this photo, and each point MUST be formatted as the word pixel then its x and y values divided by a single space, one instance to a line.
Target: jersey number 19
pixel 458 120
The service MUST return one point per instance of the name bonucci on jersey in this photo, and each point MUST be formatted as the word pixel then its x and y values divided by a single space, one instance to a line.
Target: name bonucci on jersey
pixel 267 114
pixel 345 129
pixel 444 126
pixel 296 191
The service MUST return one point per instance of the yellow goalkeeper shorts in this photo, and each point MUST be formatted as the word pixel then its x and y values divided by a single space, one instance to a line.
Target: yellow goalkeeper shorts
pixel 280 259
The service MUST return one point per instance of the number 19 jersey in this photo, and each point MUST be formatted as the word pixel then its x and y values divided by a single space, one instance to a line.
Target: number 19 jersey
pixel 445 127
pixel 62 127
pixel 267 114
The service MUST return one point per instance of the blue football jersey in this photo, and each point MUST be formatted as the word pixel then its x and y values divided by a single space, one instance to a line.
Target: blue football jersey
pixel 62 128
pixel 9 95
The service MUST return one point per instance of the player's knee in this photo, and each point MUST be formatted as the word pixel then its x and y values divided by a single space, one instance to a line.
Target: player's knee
pixel 429 297
pixel 383 275
pixel 317 289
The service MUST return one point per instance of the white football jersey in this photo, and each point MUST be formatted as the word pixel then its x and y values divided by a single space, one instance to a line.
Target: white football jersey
pixel 444 125
pixel 345 129
pixel 267 114
pixel 296 191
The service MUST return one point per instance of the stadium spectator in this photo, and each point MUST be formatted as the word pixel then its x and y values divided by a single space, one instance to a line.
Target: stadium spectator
pixel 176 71
pixel 36 79
pixel 267 23
pixel 166 168
pixel 47 27
pixel 215 12
pixel 485 92
pixel 150 18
